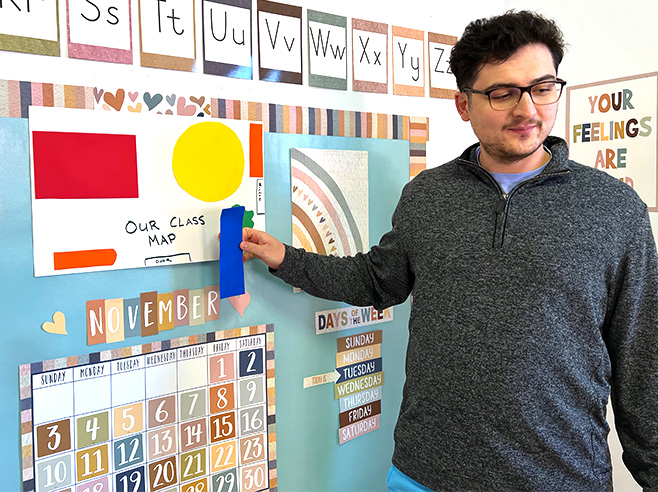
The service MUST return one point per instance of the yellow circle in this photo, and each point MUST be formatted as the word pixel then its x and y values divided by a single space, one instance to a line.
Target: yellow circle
pixel 208 161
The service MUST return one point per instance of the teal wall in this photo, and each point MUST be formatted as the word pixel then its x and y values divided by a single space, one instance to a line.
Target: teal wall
pixel 308 455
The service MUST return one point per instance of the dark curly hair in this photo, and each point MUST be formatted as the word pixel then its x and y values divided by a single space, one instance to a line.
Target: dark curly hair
pixel 497 38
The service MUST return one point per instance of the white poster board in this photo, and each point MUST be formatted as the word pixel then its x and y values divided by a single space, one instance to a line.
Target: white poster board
pixel 611 126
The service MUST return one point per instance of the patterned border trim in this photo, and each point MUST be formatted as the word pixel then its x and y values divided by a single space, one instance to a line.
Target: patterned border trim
pixel 17 96
pixel 25 386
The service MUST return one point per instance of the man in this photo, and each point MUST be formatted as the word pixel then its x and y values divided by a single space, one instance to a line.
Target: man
pixel 535 284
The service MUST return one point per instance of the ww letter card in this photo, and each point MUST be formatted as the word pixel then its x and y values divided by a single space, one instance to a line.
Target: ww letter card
pixel 327 48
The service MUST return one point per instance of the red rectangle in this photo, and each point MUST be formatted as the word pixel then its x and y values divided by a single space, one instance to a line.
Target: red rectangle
pixel 84 165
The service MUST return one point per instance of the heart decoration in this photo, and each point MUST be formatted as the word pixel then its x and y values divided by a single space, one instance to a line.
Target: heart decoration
pixel 98 93
pixel 135 109
pixel 183 109
pixel 240 302
pixel 133 96
pixel 152 100
pixel 198 100
pixel 57 326
pixel 115 100
pixel 171 99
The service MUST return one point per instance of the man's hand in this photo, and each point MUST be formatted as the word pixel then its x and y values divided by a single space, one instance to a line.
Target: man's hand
pixel 258 244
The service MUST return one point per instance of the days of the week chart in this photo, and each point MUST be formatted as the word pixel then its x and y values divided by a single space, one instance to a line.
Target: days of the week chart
pixel 186 419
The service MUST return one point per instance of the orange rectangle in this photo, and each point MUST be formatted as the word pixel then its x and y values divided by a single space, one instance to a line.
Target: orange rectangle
pixel 256 150
pixel 66 260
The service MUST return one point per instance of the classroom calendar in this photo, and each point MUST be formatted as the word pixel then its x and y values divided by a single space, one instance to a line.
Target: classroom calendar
pixel 194 414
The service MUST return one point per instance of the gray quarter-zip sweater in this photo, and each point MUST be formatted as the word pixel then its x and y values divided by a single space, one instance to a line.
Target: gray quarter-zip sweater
pixel 530 309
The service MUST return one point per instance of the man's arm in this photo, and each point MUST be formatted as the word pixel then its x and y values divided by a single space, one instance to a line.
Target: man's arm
pixel 381 277
pixel 632 341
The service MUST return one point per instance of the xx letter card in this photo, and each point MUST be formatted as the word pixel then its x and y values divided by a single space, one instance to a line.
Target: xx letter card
pixel 280 42
pixel 121 190
pixel 327 50
pixel 442 82
pixel 27 26
pixel 227 38
pixel 167 34
pixel 100 30
pixel 369 56
pixel 408 62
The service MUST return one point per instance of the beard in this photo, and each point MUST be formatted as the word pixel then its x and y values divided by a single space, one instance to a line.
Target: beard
pixel 509 152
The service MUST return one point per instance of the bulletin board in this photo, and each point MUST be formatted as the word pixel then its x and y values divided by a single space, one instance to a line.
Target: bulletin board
pixel 304 422
pixel 265 390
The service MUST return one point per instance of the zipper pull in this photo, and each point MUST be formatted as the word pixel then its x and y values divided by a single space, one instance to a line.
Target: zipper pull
pixel 500 204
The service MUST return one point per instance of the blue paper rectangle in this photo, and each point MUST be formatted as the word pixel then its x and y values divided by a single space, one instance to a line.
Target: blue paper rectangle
pixel 231 269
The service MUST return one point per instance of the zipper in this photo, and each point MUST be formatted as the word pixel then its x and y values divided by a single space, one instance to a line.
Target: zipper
pixel 501 207
pixel 500 220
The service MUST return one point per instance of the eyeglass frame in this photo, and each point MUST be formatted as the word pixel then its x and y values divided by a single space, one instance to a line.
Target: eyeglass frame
pixel 527 89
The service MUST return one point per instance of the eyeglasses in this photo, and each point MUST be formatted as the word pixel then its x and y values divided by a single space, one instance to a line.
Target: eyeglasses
pixel 541 93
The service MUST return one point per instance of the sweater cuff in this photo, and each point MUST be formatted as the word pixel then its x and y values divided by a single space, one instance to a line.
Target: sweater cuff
pixel 283 270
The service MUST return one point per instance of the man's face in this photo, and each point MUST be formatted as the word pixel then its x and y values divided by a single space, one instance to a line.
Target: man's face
pixel 512 139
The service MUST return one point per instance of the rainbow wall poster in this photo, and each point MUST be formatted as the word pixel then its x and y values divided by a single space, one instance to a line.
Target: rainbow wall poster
pixel 120 190
pixel 330 201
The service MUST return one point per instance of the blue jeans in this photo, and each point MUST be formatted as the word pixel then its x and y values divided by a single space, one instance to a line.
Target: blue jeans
pixel 396 481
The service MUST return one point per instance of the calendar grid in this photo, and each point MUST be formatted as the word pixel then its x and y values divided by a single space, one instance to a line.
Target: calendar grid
pixel 120 424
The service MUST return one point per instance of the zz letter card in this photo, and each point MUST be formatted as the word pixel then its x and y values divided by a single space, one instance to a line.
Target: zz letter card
pixel 442 82
pixel 194 413
pixel 119 190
